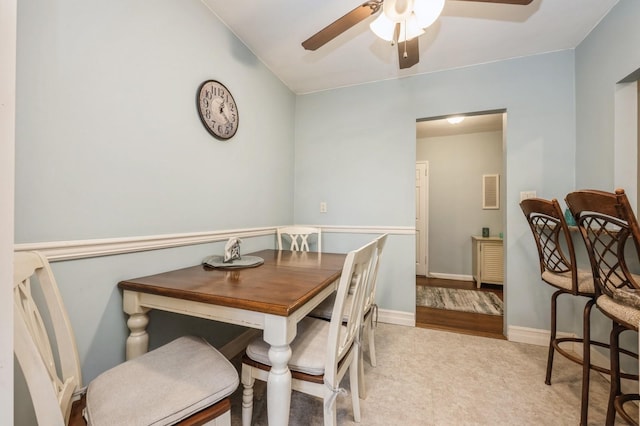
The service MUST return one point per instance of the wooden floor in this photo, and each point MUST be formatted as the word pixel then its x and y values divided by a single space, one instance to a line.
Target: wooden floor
pixel 460 322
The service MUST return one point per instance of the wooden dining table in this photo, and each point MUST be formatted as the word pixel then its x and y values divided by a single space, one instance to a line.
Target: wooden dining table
pixel 273 297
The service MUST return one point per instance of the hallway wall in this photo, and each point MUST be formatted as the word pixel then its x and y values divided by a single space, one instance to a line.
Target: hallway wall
pixel 456 166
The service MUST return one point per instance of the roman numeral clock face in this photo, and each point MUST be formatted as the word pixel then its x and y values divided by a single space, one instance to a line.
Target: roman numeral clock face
pixel 217 109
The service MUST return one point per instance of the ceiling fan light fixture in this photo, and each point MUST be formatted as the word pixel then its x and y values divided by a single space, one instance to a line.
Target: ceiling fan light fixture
pixel 427 11
pixel 398 10
pixel 384 28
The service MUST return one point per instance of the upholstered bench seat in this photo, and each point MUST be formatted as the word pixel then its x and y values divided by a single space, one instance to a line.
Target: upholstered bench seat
pixel 164 396
pixel 623 312
pixel 563 280
pixel 308 349
pixel 325 309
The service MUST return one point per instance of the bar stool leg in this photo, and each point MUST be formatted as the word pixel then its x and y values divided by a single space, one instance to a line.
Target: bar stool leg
pixel 552 338
pixel 616 329
pixel 586 361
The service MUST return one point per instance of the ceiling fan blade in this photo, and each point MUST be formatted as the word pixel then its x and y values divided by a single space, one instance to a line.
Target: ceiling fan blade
pixel 340 25
pixel 520 2
pixel 408 54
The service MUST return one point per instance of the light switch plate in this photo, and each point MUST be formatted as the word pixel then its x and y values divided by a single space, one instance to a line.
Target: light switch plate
pixel 527 194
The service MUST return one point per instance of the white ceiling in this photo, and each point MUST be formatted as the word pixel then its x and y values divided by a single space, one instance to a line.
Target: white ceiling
pixel 467 33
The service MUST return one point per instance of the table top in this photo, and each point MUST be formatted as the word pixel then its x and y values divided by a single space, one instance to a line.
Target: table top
pixel 285 282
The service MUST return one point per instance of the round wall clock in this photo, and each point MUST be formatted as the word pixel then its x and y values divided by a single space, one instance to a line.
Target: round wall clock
pixel 217 109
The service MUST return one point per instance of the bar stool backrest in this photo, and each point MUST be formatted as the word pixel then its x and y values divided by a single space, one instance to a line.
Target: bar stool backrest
pixel 606 222
pixel 549 229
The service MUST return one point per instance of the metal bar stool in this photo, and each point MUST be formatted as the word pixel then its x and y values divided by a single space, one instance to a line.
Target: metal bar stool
pixel 558 269
pixel 606 222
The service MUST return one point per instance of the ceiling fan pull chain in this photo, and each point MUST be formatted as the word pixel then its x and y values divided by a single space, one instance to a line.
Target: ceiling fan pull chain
pixel 404 55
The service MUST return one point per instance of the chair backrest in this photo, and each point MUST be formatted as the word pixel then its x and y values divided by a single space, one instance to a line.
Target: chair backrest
pixel 549 228
pixel 51 384
pixel 370 293
pixel 355 274
pixel 606 222
pixel 299 237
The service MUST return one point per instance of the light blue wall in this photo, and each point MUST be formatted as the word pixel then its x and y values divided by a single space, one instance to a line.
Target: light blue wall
pixel 356 149
pixel 109 144
pixel 456 165
pixel 610 53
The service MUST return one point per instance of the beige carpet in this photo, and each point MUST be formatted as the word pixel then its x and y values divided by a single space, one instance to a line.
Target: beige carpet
pixel 428 377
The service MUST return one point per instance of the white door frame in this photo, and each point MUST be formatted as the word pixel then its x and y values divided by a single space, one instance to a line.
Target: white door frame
pixel 8 24
pixel 422 227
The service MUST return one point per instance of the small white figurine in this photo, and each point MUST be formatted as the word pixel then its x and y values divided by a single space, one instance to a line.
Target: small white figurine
pixel 232 250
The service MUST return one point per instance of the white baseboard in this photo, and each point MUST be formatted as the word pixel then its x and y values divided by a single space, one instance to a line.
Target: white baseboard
pixel 451 276
pixel 532 336
pixel 397 317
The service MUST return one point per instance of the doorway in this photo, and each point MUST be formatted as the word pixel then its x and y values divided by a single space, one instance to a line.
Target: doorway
pixel 459 153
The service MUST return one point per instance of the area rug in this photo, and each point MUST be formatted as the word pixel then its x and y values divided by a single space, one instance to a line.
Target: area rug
pixel 480 302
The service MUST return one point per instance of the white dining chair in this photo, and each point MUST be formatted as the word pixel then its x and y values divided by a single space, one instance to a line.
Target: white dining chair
pixel 299 237
pixel 186 381
pixel 370 312
pixel 322 351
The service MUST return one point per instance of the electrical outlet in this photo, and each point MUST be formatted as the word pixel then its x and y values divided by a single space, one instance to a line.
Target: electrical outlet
pixel 323 207
pixel 527 194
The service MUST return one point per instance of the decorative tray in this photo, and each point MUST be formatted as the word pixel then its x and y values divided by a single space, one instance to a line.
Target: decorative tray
pixel 216 261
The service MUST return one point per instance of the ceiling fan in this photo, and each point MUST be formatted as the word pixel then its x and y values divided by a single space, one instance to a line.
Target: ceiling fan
pixel 401 22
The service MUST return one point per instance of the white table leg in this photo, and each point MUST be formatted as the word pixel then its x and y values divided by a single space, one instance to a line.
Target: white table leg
pixel 279 385
pixel 279 333
pixel 138 340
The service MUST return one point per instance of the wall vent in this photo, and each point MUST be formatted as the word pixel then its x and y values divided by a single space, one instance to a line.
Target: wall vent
pixel 490 192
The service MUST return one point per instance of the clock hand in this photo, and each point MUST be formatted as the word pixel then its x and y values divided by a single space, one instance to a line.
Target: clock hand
pixel 217 107
pixel 223 108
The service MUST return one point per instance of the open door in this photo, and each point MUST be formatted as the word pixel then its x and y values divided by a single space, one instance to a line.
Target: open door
pixel 422 230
